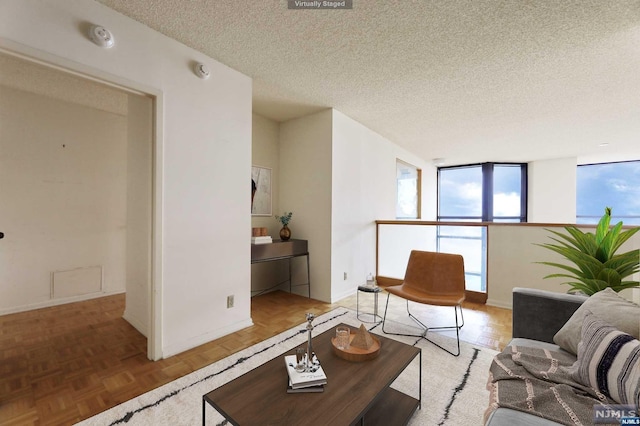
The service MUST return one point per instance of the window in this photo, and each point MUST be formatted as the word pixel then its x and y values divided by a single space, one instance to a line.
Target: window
pixel 408 191
pixel 615 185
pixel 488 192
pixel 460 193
pixel 509 193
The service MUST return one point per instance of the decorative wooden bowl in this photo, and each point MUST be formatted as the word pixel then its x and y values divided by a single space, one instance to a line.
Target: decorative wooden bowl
pixel 357 354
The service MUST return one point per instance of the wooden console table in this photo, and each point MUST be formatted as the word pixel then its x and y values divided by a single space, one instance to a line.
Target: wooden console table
pixel 279 250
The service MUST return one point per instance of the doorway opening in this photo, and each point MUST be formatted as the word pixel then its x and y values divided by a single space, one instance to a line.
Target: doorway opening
pixel 77 184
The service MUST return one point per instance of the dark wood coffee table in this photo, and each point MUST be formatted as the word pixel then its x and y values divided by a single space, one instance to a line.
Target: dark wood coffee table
pixel 355 393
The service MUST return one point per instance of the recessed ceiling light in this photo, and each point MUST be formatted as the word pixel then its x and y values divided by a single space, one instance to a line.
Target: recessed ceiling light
pixel 604 144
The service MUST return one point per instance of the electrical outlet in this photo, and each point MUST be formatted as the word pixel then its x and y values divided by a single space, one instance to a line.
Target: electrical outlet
pixel 345 276
pixel 229 301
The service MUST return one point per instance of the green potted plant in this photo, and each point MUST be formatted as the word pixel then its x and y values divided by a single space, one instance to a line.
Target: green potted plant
pixel 596 265
pixel 285 232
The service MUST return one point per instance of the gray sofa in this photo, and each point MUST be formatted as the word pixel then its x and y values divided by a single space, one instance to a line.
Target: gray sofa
pixel 554 322
pixel 537 316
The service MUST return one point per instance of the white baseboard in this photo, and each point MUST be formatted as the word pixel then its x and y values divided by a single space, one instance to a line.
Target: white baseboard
pixel 55 302
pixel 136 323
pixel 343 295
pixel 499 304
pixel 193 342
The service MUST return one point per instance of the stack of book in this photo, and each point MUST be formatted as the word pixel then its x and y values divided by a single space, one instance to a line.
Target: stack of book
pixel 304 381
pixel 261 240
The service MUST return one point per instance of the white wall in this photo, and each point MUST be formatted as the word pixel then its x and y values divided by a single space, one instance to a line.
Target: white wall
pixel 552 191
pixel 265 151
pixel 63 189
pixel 305 190
pixel 363 190
pixel 338 177
pixel 66 111
pixel 139 211
pixel 201 203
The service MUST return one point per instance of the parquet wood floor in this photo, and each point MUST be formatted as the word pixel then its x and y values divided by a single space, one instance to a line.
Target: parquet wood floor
pixel 63 364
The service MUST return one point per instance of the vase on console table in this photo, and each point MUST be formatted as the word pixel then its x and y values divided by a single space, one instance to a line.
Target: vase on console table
pixel 285 233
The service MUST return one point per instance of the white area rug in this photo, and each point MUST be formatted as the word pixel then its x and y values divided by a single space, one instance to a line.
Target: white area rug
pixel 453 388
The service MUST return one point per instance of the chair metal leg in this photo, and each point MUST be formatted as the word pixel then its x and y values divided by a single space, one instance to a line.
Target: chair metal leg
pixel 413 317
pixel 426 328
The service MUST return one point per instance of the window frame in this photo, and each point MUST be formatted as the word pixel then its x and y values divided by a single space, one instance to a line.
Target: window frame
pixel 418 190
pixel 488 170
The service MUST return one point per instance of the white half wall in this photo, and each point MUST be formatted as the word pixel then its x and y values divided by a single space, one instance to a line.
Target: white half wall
pixel 512 256
pixel 202 157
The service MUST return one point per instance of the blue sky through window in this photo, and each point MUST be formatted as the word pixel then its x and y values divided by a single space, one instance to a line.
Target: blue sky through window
pixel 461 191
pixel 615 185
pixel 506 190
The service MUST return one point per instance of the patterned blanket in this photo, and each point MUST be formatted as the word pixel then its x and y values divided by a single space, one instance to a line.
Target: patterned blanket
pixel 537 381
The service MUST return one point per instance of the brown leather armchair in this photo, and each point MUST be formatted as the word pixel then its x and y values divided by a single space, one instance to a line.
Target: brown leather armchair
pixel 432 279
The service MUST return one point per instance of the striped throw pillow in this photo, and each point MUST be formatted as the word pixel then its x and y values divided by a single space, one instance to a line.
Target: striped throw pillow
pixel 608 361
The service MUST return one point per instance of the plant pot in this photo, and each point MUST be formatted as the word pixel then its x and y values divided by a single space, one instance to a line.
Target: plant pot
pixel 285 233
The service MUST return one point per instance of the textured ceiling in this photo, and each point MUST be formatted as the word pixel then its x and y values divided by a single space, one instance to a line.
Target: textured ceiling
pixel 468 81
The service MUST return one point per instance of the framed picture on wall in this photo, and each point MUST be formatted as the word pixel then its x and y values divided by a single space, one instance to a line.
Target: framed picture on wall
pixel 260 191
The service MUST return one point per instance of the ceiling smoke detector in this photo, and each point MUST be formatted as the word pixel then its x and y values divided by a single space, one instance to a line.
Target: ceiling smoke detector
pixel 101 36
pixel 201 71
